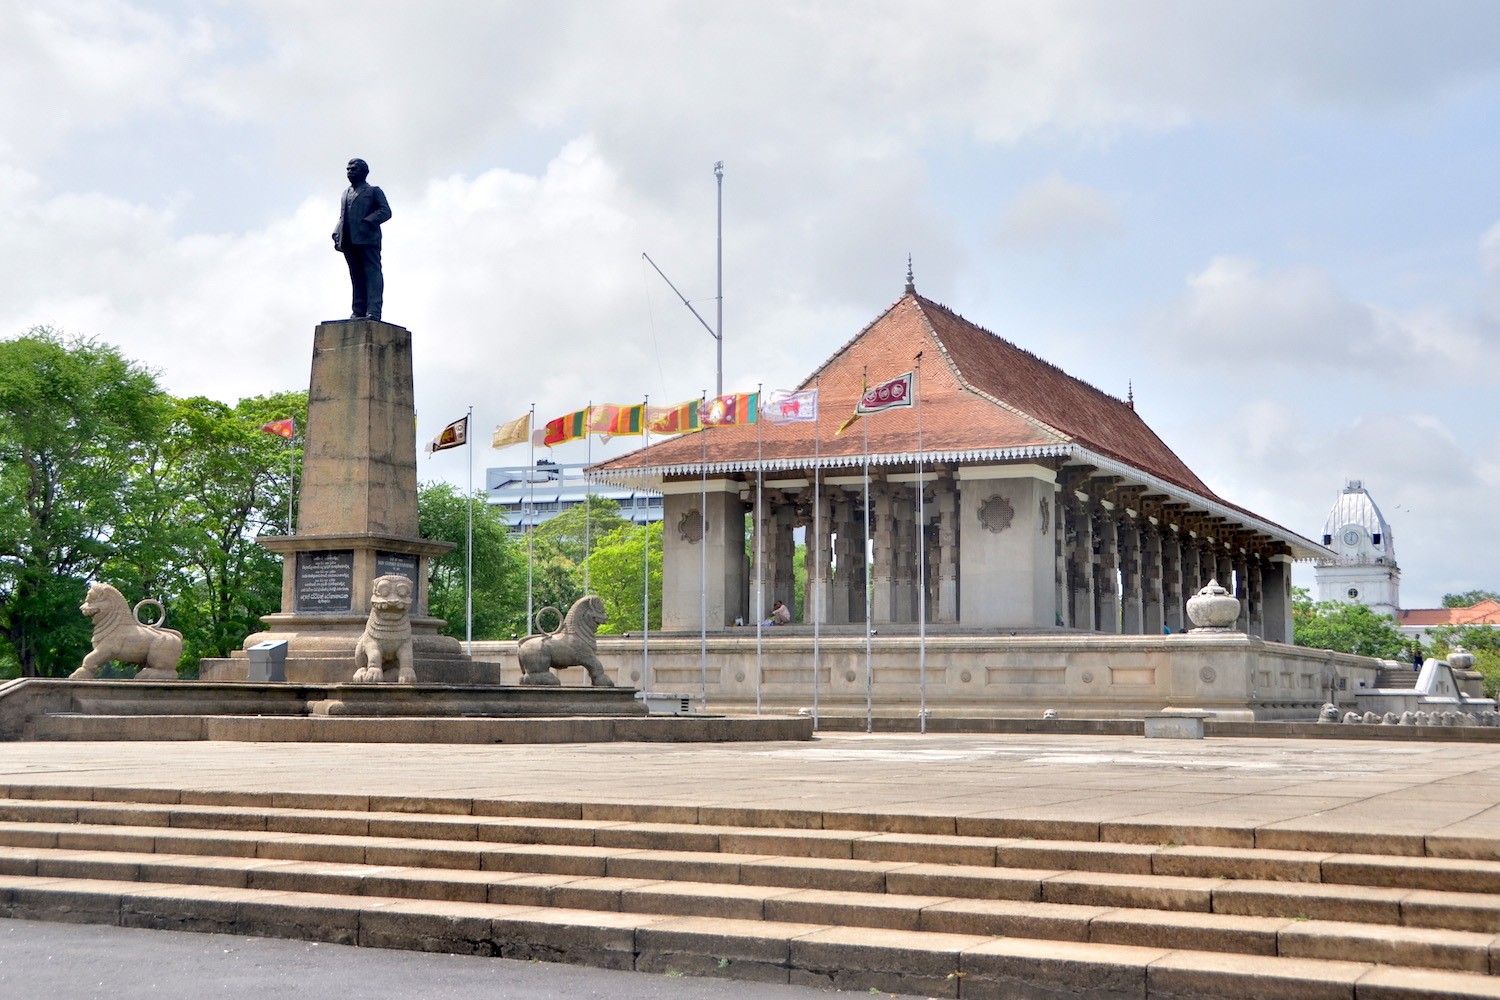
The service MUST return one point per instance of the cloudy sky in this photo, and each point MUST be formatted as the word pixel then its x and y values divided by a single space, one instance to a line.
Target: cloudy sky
pixel 1278 221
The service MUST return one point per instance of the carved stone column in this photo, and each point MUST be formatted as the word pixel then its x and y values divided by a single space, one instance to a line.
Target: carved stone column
pixel 1151 579
pixel 1173 600
pixel 945 573
pixel 847 552
pixel 1132 602
pixel 783 546
pixel 1257 605
pixel 1106 577
pixel 1080 544
pixel 1223 566
pixel 883 572
pixel 819 599
pixel 1242 589
pixel 904 541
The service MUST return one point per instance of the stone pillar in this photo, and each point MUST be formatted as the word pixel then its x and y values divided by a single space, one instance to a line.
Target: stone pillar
pixel 781 567
pixel 1080 544
pixel 819 596
pixel 1173 598
pixel 1276 591
pixel 1008 556
pixel 904 540
pixel 683 585
pixel 1152 616
pixel 882 534
pixel 1060 557
pixel 1257 622
pixel 1216 565
pixel 1132 611
pixel 1107 578
pixel 844 549
pixel 1242 588
pixel 945 570
pixel 1192 572
pixel 758 579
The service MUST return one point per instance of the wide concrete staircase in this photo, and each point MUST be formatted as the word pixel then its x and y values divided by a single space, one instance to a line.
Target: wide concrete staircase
pixel 932 905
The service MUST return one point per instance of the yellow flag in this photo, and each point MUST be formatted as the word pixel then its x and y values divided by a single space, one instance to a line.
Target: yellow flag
pixel 517 431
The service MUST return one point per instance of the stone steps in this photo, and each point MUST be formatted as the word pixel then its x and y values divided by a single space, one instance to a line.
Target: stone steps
pixel 881 903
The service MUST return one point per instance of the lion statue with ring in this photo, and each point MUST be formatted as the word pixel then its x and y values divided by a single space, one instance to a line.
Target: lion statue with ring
pixel 572 645
pixel 119 634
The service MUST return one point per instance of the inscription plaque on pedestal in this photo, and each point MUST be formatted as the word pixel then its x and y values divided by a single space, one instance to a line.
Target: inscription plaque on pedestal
pixel 325 580
pixel 396 564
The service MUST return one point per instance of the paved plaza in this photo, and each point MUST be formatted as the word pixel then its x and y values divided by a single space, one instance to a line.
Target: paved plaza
pixel 1410 789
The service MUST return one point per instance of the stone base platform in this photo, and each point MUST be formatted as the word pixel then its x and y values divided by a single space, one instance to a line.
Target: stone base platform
pixel 45 709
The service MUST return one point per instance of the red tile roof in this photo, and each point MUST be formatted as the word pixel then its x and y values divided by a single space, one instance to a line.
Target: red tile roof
pixel 978 393
pixel 1483 613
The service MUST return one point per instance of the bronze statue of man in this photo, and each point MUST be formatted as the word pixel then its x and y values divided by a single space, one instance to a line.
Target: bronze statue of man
pixel 357 237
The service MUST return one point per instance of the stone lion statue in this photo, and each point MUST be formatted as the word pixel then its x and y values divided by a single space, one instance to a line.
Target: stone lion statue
pixel 119 635
pixel 387 635
pixel 572 645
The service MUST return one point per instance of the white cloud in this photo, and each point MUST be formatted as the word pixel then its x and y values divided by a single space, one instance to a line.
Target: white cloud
pixel 1237 315
pixel 1057 212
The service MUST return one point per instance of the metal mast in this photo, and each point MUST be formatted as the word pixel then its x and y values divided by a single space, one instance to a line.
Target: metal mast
pixel 719 337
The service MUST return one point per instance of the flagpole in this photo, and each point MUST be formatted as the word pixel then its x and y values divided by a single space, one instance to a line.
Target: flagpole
pixel 291 462
pixel 588 438
pixel 818 562
pixel 869 677
pixel 921 558
pixel 760 571
pixel 703 559
pixel 530 504
pixel 646 562
pixel 469 543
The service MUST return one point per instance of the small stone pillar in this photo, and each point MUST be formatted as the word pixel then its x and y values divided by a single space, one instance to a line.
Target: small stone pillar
pixel 1152 616
pixel 945 503
pixel 1080 544
pixel 1257 603
pixel 883 541
pixel 1106 577
pixel 1172 600
pixel 1242 589
pixel 1132 601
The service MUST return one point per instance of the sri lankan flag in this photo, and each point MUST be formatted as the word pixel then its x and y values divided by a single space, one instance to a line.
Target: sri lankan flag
pixel 735 408
pixel 281 428
pixel 679 419
pixel 610 420
pixel 566 428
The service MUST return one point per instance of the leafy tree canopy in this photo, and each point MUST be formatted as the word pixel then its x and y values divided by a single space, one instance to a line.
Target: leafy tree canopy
pixel 1344 628
pixel 1469 598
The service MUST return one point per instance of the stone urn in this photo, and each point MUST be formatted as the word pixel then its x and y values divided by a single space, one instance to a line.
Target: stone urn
pixel 1213 609
pixel 1460 659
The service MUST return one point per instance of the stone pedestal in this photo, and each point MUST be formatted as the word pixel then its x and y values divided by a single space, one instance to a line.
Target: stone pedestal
pixel 357 518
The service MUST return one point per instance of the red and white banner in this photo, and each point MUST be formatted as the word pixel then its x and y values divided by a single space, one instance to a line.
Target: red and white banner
pixel 783 407
pixel 887 395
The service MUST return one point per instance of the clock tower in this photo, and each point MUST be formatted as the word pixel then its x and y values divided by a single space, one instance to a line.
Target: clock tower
pixel 1364 570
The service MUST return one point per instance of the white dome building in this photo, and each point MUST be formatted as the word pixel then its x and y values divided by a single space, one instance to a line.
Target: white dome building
pixel 1365 570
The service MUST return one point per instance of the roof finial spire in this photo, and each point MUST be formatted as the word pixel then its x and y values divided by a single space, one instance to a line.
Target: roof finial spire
pixel 1130 393
pixel 911 285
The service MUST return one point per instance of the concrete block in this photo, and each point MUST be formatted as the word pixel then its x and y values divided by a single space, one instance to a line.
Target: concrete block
pixel 29 835
pixel 683 866
pixel 1386 983
pixel 1460 911
pixel 866 958
pixel 137 839
pixel 1008 918
pixel 561 860
pixel 692 899
pixel 1160 892
pixel 27 811
pixel 1207 974
pixel 89 865
pixel 231 873
pixel 1315 902
pixel 423 854
pixel 222 843
pixel 926 848
pixel 1237 863
pixel 968 881
pixel 660 837
pixel 792 843
pixel 1178 833
pixel 528 890
pixel 1341 841
pixel 527 810
pixel 424 827
pixel 600 894
pixel 1451 874
pixel 160 796
pixel 302 916
pixel 204 909
pixel 69 901
pixel 312 847
pixel 309 876
pixel 1459 951
pixel 1018 969
pixel 1122 858
pixel 424 804
pixel 731 949
pixel 1071 830
pixel 810 873
pixel 18 861
pixel 418 883
pixel 202 818
pixel 576 937
pixel 858 909
pixel 572 833
pixel 761 816
pixel 306 821
pixel 1175 725
pixel 1193 931
pixel 315 800
pixel 889 823
pixel 455 928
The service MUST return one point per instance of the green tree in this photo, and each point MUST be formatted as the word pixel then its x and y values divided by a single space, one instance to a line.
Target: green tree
pixel 499 564
pixel 557 550
pixel 1344 628
pixel 618 570
pixel 75 417
pixel 1469 598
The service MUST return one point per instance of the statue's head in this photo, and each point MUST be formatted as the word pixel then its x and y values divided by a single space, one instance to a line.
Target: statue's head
pixel 357 171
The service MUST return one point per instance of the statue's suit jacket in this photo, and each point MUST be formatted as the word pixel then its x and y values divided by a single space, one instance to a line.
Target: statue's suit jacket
pixel 363 217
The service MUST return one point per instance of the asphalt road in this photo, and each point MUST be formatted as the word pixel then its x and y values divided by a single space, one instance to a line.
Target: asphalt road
pixel 94 962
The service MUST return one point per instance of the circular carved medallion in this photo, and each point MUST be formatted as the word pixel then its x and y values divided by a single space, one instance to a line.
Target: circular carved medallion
pixel 690 527
pixel 1208 675
pixel 849 676
pixel 966 677
pixel 1087 677
pixel 996 514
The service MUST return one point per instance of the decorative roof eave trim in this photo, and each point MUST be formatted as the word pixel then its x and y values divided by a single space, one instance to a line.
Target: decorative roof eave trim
pixel 1309 549
pixel 651 476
